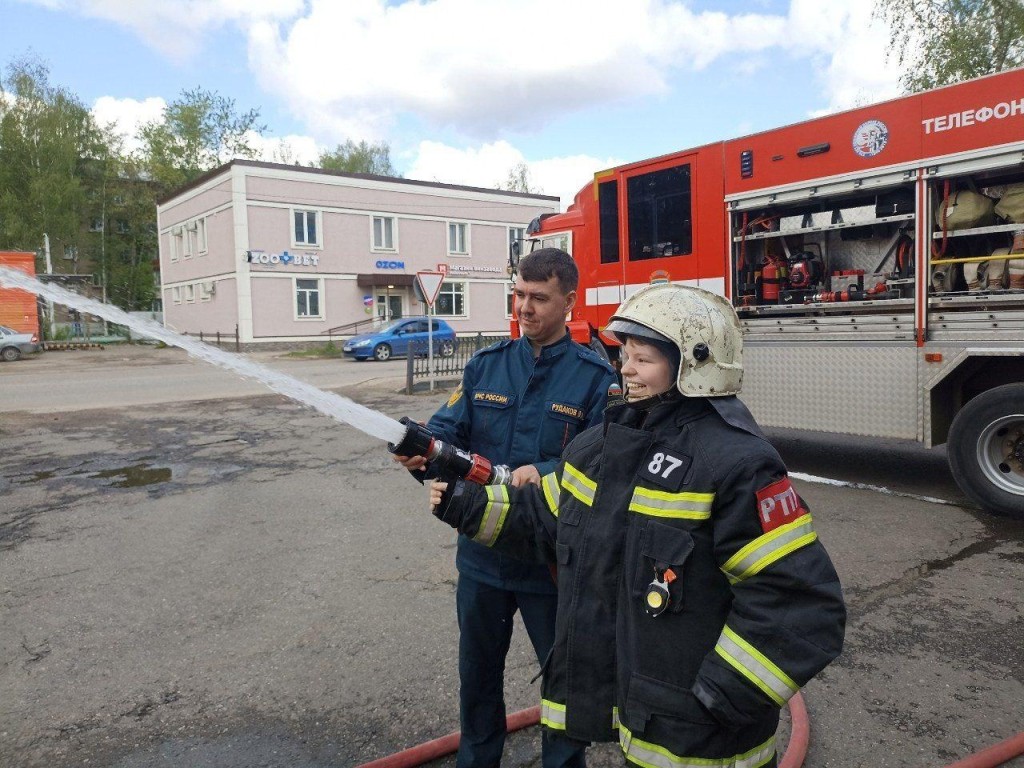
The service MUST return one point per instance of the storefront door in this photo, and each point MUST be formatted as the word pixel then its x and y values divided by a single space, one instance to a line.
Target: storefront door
pixel 389 305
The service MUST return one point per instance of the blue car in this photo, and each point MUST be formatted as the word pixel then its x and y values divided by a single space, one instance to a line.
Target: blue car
pixel 395 340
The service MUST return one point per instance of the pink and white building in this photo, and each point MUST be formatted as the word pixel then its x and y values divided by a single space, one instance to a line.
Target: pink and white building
pixel 288 254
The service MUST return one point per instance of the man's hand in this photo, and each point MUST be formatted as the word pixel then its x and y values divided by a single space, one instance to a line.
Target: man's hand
pixel 411 462
pixel 525 474
pixel 437 489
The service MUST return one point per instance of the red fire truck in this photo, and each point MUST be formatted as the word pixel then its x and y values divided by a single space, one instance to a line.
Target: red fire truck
pixel 875 258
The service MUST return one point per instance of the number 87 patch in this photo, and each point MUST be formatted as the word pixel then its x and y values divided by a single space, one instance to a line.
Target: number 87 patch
pixel 665 468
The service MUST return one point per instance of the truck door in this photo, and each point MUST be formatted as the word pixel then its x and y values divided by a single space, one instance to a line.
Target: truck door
pixel 657 223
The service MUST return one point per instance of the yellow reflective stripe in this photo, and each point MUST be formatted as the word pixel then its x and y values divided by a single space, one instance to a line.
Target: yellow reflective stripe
pixel 552 714
pixel 579 485
pixel 549 484
pixel 681 506
pixel 755 666
pixel 494 514
pixel 767 549
pixel 649 755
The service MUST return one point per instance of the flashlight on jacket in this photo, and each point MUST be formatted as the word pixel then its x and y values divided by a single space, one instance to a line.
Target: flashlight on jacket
pixel 448 460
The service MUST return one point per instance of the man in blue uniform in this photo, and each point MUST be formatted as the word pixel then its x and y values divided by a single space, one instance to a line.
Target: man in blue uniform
pixel 520 403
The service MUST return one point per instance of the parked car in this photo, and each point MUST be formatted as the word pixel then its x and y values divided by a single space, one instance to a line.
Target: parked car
pixel 396 339
pixel 13 344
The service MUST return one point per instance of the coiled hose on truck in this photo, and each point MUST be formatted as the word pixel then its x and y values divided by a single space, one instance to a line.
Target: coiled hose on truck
pixel 796 751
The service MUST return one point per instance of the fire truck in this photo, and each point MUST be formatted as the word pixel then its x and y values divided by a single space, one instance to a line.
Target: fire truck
pixel 875 258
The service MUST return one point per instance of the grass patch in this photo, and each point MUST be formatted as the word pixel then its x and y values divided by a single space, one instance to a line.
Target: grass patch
pixel 328 350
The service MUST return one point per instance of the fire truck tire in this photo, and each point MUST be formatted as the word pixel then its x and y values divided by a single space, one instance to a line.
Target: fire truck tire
pixel 986 450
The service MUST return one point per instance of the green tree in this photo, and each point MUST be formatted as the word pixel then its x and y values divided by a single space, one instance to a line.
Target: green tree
pixel 519 180
pixel 46 135
pixel 122 238
pixel 359 158
pixel 197 132
pixel 938 42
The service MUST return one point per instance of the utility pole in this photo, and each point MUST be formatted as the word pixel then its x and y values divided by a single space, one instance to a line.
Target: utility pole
pixel 49 271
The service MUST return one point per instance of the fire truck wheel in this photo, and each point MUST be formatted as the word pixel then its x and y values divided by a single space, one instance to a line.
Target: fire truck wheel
pixel 986 450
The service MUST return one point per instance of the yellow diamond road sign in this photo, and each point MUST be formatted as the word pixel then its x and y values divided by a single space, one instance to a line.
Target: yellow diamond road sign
pixel 430 284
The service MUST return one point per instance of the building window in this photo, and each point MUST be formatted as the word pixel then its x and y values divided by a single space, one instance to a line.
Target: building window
pixel 307 298
pixel 201 235
pixel 516 235
pixel 95 225
pixel 190 292
pixel 458 237
pixel 306 230
pixel 509 298
pixel 123 227
pixel 176 294
pixel 451 300
pixel 176 244
pixel 384 233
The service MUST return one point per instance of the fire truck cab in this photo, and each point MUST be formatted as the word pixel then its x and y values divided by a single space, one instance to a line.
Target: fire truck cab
pixel 875 258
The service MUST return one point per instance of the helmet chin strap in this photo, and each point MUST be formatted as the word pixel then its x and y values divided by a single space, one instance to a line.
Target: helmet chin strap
pixel 649 402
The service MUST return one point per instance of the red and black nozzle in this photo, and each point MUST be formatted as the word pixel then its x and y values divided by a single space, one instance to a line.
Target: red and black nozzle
pixel 446 460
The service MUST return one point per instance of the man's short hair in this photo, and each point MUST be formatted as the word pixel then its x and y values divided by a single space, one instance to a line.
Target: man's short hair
pixel 539 266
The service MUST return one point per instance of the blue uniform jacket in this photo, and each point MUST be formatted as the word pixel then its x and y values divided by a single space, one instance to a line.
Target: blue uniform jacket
pixel 515 409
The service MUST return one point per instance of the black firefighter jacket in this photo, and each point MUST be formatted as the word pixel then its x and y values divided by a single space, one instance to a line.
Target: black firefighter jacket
pixel 692 496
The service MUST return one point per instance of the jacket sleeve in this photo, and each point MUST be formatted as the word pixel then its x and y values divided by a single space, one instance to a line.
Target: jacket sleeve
pixel 520 522
pixel 787 617
pixel 452 422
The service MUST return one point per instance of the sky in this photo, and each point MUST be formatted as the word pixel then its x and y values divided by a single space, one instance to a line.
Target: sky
pixel 464 90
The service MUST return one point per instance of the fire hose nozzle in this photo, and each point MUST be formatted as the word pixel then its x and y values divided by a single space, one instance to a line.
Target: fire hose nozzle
pixel 446 459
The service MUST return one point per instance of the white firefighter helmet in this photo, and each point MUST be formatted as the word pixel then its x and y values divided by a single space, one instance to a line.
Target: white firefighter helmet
pixel 703 325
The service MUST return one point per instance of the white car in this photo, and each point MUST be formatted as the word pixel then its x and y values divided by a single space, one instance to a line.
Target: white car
pixel 13 344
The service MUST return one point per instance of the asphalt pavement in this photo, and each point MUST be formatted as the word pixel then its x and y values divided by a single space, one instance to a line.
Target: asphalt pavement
pixel 236 580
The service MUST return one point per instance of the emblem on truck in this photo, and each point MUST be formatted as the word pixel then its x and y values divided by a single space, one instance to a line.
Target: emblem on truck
pixel 870 138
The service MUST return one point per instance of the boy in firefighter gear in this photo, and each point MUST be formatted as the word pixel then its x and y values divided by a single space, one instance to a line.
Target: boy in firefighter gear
pixel 520 403
pixel 694 597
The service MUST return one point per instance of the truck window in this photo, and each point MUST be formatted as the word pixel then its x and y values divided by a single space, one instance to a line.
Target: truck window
pixel 608 212
pixel 659 214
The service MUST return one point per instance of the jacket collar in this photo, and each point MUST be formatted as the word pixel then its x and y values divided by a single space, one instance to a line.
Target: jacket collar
pixel 549 351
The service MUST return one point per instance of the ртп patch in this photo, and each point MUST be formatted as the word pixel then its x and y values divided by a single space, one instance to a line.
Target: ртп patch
pixel 778 504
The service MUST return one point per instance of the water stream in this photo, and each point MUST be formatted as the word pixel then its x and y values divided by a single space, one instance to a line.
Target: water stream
pixel 339 408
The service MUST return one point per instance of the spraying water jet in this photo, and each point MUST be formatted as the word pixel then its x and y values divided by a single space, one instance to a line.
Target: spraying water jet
pixel 405 438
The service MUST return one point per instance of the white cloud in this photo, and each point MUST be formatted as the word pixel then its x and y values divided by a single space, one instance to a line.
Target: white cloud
pixel 489 165
pixel 354 69
pixel 126 116
pixel 289 149
pixel 852 45
pixel 177 28
pixel 353 66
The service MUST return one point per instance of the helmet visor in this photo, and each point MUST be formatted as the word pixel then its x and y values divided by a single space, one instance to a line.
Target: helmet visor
pixel 621 328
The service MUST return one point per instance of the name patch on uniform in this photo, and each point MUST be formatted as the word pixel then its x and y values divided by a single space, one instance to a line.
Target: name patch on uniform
pixel 665 468
pixel 491 397
pixel 567 410
pixel 778 504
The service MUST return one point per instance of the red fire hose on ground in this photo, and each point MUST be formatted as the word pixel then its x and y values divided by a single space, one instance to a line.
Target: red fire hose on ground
pixel 796 751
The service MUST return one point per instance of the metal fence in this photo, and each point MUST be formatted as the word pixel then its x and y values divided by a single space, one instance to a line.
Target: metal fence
pixel 445 366
pixel 217 337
